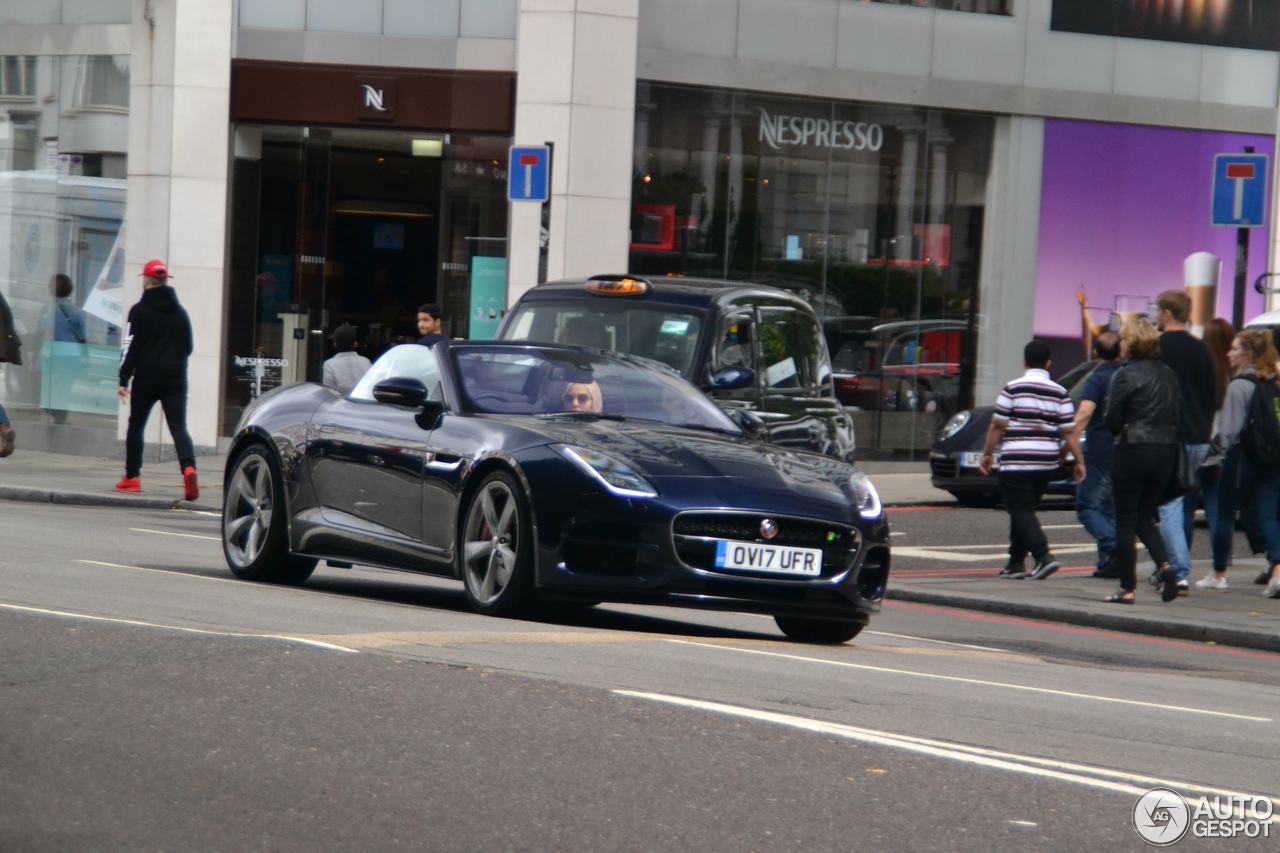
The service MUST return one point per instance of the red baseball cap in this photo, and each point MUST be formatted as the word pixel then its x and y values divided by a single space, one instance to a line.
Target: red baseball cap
pixel 156 269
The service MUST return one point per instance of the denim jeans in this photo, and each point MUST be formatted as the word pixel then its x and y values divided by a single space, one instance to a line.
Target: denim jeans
pixel 4 416
pixel 1096 509
pixel 1177 520
pixel 1239 478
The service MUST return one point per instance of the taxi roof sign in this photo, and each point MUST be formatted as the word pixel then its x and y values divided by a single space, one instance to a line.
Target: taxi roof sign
pixel 617 285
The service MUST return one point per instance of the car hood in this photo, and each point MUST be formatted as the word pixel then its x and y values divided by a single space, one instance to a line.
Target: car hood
pixel 732 469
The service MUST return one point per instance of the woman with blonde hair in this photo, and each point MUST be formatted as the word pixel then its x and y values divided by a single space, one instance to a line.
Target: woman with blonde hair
pixel 1253 359
pixel 1142 412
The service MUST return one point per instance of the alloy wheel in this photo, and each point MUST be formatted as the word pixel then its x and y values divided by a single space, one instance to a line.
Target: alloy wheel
pixel 246 516
pixel 491 542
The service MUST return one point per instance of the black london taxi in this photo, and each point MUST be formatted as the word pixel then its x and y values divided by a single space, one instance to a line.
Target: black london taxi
pixel 757 350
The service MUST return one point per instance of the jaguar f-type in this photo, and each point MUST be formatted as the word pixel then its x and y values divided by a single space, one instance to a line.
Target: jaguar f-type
pixel 541 472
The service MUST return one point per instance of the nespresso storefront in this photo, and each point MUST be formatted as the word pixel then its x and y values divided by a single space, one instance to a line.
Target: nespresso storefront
pixel 357 195
pixel 872 212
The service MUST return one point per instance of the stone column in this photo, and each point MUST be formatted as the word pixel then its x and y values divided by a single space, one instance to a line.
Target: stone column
pixel 908 169
pixel 179 91
pixel 576 87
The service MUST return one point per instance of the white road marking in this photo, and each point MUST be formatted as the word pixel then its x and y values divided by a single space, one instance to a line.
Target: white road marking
pixel 1014 762
pixel 939 642
pixel 1076 526
pixel 304 641
pixel 160 571
pixel 978 681
pixel 168 533
pixel 198 512
pixel 941 552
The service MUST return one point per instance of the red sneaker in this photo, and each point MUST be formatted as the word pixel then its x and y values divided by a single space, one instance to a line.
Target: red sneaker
pixel 190 488
pixel 129 484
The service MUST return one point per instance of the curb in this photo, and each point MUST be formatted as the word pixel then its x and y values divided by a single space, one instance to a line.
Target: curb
pixel 1199 633
pixel 50 496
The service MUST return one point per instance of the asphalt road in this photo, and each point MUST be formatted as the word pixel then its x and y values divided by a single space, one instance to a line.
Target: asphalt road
pixel 150 700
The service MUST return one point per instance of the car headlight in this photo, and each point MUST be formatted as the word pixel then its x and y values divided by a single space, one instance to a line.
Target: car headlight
pixel 957 422
pixel 616 476
pixel 865 496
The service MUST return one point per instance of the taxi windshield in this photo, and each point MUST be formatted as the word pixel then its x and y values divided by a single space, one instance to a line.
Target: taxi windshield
pixel 570 383
pixel 665 333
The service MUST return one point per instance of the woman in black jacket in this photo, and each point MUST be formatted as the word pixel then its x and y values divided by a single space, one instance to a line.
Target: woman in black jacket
pixel 1142 412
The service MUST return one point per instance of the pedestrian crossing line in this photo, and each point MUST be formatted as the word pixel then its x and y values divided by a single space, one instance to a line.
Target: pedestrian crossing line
pixel 1081 774
pixel 441 639
pixel 170 533
pixel 979 682
pixel 186 630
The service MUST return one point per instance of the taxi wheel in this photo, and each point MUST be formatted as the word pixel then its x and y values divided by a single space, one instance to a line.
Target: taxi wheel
pixel 826 631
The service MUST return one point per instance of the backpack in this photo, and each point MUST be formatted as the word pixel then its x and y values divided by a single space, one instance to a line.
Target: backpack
pixel 1261 436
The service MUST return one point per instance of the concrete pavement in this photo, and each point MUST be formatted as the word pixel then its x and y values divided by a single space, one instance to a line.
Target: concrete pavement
pixel 1239 617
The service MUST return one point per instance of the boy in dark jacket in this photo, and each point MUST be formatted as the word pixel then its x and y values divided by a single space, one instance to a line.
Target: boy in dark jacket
pixel 157 344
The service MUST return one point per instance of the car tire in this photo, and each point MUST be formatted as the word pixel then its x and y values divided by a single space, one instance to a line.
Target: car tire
pixel 495 552
pixel 255 523
pixel 978 500
pixel 802 629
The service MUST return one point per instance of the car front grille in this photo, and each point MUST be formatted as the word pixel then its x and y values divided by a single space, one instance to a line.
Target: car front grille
pixel 694 534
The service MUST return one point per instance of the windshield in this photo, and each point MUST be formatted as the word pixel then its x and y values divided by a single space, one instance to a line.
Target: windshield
pixel 664 333
pixel 555 383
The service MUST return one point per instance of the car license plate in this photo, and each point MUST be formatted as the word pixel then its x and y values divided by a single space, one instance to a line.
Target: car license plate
pixel 778 559
pixel 973 458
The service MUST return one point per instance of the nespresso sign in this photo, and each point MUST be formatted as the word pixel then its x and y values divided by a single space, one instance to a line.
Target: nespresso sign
pixel 341 95
pixel 777 131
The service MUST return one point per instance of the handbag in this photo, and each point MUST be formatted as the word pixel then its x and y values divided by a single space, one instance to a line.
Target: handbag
pixel 1185 477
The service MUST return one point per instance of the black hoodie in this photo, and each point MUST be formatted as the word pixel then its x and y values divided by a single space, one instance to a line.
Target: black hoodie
pixel 157 338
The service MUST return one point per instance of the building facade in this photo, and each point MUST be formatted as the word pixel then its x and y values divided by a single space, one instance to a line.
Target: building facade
pixel 942 179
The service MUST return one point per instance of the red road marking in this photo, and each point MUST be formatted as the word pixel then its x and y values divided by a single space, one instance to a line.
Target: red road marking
pixel 1041 625
pixel 926 508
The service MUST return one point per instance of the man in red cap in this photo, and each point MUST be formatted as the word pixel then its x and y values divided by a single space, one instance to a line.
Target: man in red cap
pixel 157 344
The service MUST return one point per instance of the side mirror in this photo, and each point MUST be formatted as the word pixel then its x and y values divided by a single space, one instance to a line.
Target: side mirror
pixel 749 422
pixel 732 378
pixel 432 411
pixel 400 391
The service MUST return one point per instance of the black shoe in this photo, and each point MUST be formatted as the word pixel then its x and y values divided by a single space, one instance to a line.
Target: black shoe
pixel 1263 578
pixel 1014 570
pixel 1168 583
pixel 1045 566
pixel 1110 568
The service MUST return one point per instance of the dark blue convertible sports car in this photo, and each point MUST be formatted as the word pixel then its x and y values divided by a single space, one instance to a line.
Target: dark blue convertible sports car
pixel 532 471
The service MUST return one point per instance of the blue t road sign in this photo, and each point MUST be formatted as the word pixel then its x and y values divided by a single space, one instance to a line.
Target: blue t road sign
pixel 527 170
pixel 1239 190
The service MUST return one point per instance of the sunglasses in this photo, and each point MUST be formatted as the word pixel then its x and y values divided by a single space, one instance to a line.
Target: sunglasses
pixel 580 399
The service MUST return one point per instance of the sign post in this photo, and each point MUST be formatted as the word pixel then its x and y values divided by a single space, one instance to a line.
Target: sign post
pixel 529 179
pixel 1239 201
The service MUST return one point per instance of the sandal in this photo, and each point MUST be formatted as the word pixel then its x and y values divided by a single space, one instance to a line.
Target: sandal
pixel 1169 581
pixel 1121 597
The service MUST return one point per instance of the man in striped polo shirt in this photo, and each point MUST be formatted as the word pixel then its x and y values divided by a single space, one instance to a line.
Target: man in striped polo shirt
pixel 1034 416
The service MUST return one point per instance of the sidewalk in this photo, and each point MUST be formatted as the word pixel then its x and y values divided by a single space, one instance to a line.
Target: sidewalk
pixel 1240 617
pixel 87 481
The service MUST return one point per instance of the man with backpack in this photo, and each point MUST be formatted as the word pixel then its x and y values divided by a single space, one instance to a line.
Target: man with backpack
pixel 1249 435
pixel 1192 364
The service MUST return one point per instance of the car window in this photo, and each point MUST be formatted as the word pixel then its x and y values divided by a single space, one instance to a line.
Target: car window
pixel 789 348
pixel 668 334
pixel 409 361
pixel 734 343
